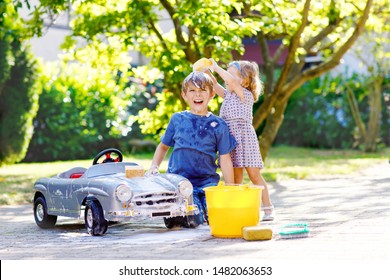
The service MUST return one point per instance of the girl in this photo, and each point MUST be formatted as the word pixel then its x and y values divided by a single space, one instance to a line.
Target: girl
pixel 243 87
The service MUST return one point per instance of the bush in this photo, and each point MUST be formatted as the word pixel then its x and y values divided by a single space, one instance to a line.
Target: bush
pixel 318 116
pixel 78 114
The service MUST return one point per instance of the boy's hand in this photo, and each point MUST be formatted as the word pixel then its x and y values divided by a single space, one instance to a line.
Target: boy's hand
pixel 152 171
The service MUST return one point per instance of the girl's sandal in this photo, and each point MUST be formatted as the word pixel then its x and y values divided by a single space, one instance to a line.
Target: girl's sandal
pixel 268 216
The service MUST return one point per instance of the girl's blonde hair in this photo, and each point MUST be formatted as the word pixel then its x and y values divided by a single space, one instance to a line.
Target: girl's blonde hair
pixel 250 76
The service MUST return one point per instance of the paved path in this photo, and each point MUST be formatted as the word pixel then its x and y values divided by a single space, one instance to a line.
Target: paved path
pixel 349 218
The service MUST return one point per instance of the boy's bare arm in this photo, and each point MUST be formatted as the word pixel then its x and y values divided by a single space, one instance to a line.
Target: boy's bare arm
pixel 159 155
pixel 227 168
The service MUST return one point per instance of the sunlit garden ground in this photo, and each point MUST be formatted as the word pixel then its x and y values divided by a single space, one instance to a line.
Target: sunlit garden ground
pixel 283 162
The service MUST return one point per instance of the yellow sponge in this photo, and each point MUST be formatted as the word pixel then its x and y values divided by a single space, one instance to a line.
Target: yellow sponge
pixel 256 233
pixel 201 64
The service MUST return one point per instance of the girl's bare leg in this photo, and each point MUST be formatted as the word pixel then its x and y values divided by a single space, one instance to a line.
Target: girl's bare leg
pixel 238 175
pixel 257 179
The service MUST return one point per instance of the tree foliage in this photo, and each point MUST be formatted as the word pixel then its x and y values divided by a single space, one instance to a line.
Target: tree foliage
pixel 208 28
pixel 163 32
pixel 325 28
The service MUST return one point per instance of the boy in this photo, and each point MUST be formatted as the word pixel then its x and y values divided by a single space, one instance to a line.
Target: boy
pixel 197 137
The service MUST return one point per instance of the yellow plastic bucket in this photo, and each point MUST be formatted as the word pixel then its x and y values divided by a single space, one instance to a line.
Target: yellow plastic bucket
pixel 230 208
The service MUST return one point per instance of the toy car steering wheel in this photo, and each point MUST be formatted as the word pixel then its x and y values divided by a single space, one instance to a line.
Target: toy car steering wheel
pixel 107 153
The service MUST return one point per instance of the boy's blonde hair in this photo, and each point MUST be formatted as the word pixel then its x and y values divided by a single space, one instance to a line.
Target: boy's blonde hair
pixel 200 80
pixel 250 76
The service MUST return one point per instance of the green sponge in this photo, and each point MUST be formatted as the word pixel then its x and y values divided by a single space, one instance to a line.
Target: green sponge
pixel 256 233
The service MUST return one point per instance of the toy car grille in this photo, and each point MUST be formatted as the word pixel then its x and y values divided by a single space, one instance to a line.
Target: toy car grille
pixel 155 200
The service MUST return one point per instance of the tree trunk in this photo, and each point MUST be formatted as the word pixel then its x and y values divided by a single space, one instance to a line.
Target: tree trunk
pixel 272 125
pixel 356 115
pixel 369 133
pixel 375 106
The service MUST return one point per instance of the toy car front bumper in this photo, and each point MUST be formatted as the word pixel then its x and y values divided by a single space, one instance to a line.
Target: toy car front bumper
pixel 144 212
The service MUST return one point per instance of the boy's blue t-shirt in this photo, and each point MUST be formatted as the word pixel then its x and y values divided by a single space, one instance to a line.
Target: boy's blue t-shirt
pixel 196 140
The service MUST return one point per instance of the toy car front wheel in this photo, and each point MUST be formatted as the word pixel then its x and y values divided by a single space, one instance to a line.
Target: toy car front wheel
pixel 42 218
pixel 173 222
pixel 94 218
pixel 191 221
pixel 187 222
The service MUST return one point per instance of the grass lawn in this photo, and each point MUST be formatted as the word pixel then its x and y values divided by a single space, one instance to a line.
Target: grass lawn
pixel 283 163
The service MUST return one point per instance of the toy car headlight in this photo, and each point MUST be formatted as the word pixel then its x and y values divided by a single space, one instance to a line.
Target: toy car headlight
pixel 123 193
pixel 185 188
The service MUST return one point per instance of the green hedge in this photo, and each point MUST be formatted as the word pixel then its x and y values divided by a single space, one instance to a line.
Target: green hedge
pixel 78 114
pixel 18 99
pixel 318 116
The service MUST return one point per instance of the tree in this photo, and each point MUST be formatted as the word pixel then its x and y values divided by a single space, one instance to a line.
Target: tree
pixel 18 89
pixel 136 25
pixel 325 28
pixel 375 60
pixel 208 28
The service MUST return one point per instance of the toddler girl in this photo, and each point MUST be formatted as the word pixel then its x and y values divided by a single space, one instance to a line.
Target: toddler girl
pixel 243 87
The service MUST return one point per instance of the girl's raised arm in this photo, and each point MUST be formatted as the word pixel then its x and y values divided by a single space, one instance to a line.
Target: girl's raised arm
pixel 233 82
pixel 219 90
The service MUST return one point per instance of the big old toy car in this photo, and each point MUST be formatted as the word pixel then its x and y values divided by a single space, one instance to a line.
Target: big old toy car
pixel 104 193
